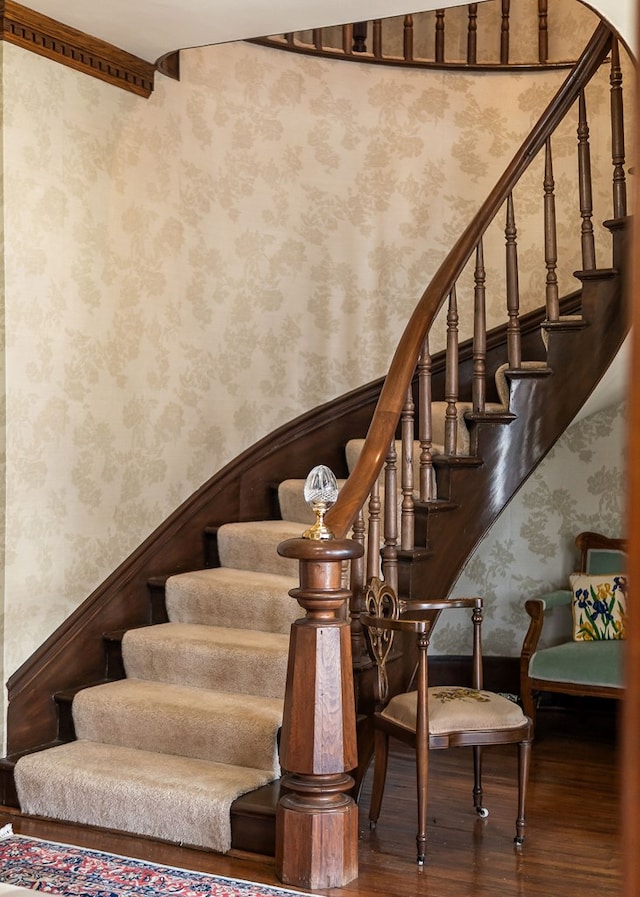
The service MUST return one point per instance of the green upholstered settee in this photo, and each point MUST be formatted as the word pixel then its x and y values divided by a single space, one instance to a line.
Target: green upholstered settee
pixel 590 668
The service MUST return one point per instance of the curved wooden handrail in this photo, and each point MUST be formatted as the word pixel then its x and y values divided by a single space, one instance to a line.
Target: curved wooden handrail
pixel 383 426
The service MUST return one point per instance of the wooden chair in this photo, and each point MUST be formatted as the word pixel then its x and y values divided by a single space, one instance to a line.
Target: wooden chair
pixel 585 668
pixel 441 716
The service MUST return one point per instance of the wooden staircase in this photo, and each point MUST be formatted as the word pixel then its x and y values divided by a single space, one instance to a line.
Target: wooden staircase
pixel 582 334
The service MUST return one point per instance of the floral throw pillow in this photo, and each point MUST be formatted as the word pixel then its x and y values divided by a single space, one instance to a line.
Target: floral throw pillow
pixel 599 606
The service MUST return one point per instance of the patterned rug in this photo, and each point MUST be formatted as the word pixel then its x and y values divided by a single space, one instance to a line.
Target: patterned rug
pixel 60 869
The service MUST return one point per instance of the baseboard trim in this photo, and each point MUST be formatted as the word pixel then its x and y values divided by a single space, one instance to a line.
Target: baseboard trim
pixel 39 34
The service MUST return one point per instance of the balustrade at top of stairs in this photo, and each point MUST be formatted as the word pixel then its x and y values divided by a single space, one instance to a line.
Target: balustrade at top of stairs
pixel 487 36
pixel 198 697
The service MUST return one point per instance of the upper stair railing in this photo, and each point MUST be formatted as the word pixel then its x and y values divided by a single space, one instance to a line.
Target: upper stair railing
pixel 394 527
pixel 488 35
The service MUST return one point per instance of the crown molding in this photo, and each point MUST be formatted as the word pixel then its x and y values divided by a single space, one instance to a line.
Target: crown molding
pixel 40 34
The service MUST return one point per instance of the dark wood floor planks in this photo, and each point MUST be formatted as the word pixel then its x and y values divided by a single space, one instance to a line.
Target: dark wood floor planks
pixel 572 846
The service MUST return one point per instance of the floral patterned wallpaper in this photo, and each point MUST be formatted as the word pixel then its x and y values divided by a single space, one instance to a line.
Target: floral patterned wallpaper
pixel 184 274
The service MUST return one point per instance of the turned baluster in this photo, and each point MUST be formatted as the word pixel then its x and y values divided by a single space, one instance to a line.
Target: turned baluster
pixel 479 384
pixel 407 42
pixel 357 585
pixel 617 135
pixel 317 38
pixel 316 819
pixel 513 290
pixel 543 32
pixel 427 492
pixel 439 35
pixel 360 37
pixel 585 188
pixel 550 237
pixel 373 536
pixel 451 377
pixel 377 38
pixel 390 547
pixel 504 33
pixel 472 35
pixel 407 511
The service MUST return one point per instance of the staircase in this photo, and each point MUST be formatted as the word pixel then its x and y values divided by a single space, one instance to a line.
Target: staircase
pixel 160 727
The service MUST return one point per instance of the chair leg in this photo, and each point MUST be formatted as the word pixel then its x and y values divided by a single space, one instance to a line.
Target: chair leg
pixel 528 700
pixel 524 762
pixel 477 782
pixel 422 774
pixel 381 757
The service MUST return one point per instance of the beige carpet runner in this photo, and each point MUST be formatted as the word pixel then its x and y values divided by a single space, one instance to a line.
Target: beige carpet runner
pixel 166 751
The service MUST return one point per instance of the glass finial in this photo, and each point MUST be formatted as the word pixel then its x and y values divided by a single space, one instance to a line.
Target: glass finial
pixel 320 493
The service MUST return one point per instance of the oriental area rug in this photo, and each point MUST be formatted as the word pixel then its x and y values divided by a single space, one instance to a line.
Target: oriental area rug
pixel 28 864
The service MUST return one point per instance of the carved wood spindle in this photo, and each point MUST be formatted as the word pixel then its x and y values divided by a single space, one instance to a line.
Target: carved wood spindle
pixel 360 37
pixel 439 35
pixel 543 32
pixel 347 39
pixel 550 237
pixel 407 42
pixel 373 535
pixel 407 515
pixel 585 188
pixel 357 586
pixel 427 492
pixel 479 383
pixel 390 547
pixel 472 35
pixel 317 38
pixel 451 377
pixel 316 819
pixel 514 349
pixel 504 33
pixel 617 134
pixel 377 38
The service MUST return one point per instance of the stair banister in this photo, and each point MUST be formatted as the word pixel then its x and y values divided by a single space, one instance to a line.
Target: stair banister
pixel 393 394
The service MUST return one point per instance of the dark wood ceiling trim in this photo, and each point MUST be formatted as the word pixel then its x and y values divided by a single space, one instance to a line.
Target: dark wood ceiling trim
pixel 40 34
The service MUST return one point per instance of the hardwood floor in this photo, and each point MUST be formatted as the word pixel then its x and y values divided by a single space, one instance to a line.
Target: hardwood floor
pixel 572 845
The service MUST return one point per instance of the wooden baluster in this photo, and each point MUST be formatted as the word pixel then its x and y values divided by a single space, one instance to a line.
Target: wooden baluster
pixel 407 513
pixel 357 586
pixel 360 37
pixel 479 384
pixel 585 189
pixel 439 35
pixel 373 535
pixel 390 548
pixel 472 35
pixel 543 32
pixel 316 819
pixel 617 135
pixel 514 351
pixel 347 40
pixel 504 33
pixel 408 39
pixel 317 38
pixel 377 38
pixel 451 377
pixel 290 38
pixel 550 237
pixel 427 492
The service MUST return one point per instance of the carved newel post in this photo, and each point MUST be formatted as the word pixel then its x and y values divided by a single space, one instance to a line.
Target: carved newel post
pixel 317 819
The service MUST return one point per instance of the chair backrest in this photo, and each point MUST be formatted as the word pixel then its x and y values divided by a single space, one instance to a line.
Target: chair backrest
pixel 600 554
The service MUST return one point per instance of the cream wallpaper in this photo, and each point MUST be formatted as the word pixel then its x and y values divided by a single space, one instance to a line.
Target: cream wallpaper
pixel 186 273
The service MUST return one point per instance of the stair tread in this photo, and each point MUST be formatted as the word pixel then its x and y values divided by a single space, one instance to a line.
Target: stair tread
pixel 227 659
pixel 232 598
pixel 169 797
pixel 252 545
pixel 240 729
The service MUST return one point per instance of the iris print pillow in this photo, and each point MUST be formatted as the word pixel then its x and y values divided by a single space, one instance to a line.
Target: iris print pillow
pixel 599 606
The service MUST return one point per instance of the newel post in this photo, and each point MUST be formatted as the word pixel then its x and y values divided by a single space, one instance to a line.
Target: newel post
pixel 317 819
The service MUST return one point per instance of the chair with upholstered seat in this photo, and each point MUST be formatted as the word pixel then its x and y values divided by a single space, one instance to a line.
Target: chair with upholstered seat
pixel 430 718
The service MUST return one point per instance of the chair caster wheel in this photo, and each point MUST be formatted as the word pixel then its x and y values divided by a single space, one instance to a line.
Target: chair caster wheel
pixel 482 812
